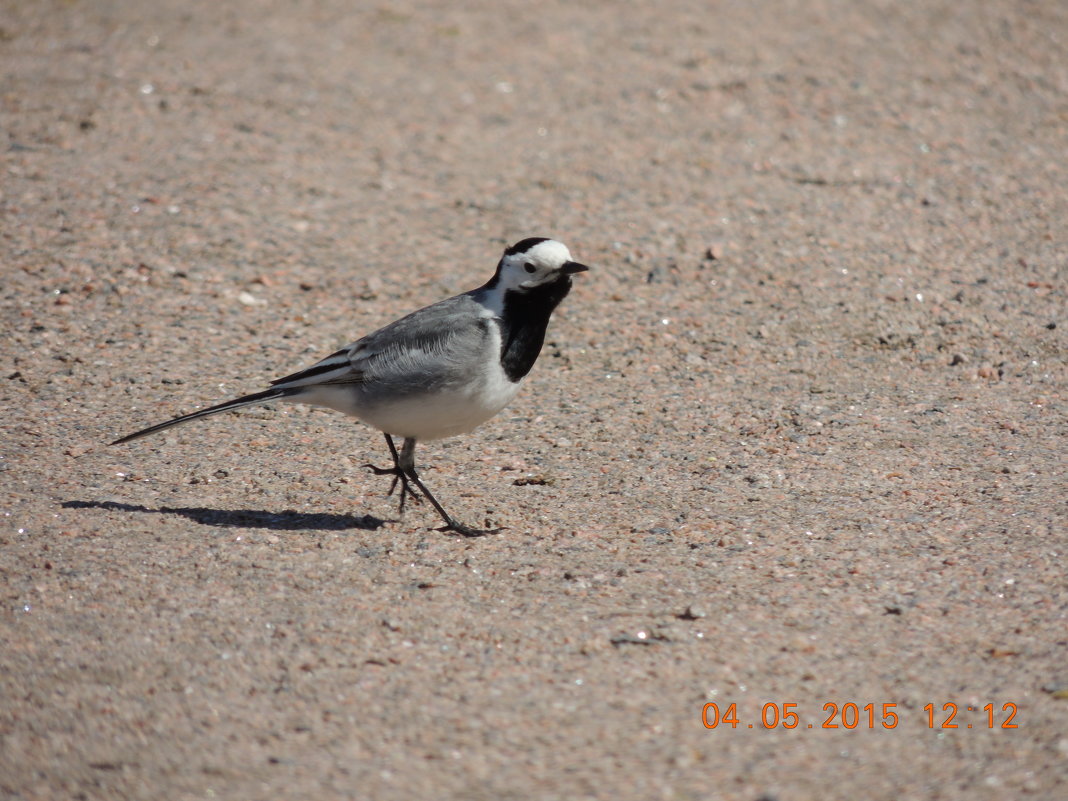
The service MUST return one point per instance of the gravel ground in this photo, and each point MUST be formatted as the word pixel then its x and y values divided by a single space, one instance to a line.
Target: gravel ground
pixel 797 438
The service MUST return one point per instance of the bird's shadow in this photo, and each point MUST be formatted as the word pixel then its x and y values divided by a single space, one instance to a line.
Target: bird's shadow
pixel 286 520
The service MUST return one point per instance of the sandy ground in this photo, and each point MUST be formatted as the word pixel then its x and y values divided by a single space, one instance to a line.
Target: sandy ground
pixel 797 438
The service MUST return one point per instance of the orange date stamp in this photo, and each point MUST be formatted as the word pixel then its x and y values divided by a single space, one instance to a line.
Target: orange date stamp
pixel 851 715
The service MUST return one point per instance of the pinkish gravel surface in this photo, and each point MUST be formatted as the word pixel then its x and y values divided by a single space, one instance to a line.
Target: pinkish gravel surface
pixel 797 438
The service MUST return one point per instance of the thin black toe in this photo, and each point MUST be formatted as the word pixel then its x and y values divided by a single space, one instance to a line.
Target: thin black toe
pixel 398 476
pixel 460 530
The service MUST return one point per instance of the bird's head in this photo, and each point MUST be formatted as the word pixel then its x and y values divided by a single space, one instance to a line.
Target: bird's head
pixel 536 262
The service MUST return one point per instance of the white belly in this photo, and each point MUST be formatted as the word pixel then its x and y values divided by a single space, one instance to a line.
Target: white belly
pixel 445 416
pixel 445 413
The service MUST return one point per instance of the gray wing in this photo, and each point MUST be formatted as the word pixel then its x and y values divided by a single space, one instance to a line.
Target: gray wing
pixel 431 346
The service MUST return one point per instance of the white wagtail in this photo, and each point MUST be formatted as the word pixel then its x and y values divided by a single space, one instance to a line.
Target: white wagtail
pixel 438 372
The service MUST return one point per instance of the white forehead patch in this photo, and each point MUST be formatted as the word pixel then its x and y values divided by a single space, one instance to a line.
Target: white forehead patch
pixel 549 252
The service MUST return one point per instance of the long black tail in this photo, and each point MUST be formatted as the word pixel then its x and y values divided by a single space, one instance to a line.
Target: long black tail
pixel 237 403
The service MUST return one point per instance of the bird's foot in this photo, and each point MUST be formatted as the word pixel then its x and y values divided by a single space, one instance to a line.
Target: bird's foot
pixel 460 530
pixel 398 476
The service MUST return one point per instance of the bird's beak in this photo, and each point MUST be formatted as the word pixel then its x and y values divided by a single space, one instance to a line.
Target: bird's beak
pixel 572 267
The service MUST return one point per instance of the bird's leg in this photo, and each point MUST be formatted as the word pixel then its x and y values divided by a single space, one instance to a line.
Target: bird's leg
pixel 406 463
pixel 397 472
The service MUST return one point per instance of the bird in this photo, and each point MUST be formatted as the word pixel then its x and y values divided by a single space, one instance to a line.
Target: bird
pixel 438 372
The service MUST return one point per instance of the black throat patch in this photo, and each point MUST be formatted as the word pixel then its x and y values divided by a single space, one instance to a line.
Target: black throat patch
pixel 523 323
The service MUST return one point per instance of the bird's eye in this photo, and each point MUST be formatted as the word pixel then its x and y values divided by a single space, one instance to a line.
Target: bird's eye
pixel 530 268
